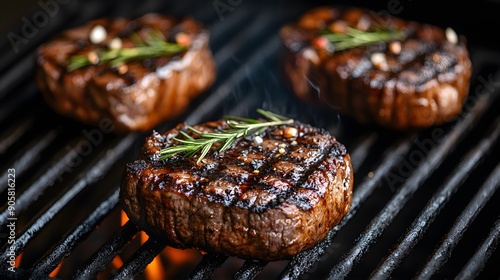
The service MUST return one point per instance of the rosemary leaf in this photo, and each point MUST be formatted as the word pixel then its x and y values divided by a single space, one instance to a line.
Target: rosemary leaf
pixel 238 127
pixel 186 135
pixel 353 38
pixel 152 47
pixel 205 150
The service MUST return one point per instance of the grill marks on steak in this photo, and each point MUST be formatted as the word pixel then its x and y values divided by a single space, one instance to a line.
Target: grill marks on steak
pixel 269 170
pixel 147 93
pixel 267 201
pixel 424 83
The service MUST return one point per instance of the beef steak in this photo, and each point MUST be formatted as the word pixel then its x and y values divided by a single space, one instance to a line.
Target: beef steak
pixel 140 93
pixel 412 83
pixel 265 200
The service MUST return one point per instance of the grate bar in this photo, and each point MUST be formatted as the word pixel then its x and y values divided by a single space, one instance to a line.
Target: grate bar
pixel 361 151
pixel 232 24
pixel 31 155
pixel 41 183
pixel 240 42
pixel 21 71
pixel 442 253
pixel 249 270
pixel 64 248
pixel 142 257
pixel 305 260
pixel 405 192
pixel 107 252
pixel 90 177
pixel 476 264
pixel 206 268
pixel 468 163
pixel 225 90
pixel 14 132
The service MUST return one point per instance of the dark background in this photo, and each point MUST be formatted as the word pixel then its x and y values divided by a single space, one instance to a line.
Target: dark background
pixel 479 20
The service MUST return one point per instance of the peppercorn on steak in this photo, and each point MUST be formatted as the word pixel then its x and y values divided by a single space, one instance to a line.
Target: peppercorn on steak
pixel 395 73
pixel 267 196
pixel 134 72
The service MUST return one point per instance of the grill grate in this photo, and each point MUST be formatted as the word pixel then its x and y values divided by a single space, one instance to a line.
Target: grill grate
pixel 442 195
pixel 67 245
pixel 405 192
pixel 415 201
pixel 463 221
pixel 107 252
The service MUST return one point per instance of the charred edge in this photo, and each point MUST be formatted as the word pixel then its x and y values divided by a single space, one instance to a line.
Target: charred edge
pixel 337 150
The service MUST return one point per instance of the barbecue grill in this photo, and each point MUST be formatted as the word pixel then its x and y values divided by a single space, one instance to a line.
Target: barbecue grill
pixel 425 203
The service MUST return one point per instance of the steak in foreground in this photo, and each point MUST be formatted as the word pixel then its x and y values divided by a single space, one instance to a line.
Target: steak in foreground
pixel 414 82
pixel 267 197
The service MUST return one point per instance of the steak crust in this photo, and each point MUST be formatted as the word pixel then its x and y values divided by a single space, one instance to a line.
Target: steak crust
pixel 415 83
pixel 266 201
pixel 148 92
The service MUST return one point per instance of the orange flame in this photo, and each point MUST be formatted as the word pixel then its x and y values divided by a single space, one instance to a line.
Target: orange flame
pixel 54 272
pixel 179 256
pixel 123 218
pixel 155 269
pixel 117 262
pixel 18 260
pixel 158 269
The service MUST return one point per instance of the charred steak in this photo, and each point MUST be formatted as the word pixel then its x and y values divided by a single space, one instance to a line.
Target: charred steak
pixel 266 199
pixel 417 81
pixel 137 94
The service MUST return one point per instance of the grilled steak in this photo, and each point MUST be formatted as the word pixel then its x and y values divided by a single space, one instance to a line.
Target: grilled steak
pixel 419 81
pixel 136 95
pixel 264 200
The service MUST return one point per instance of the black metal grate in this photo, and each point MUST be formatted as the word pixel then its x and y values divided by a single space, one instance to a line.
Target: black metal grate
pixel 424 203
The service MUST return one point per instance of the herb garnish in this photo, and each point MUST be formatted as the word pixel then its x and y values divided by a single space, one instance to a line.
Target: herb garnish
pixel 353 38
pixel 151 47
pixel 238 127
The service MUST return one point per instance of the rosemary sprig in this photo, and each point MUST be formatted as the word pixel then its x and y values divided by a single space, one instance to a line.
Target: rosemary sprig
pixel 353 38
pixel 153 46
pixel 238 127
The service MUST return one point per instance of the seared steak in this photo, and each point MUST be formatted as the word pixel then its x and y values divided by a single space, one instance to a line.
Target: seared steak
pixel 264 200
pixel 137 95
pixel 419 81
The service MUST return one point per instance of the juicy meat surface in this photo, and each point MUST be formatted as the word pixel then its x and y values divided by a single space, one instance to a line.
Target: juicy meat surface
pixel 136 96
pixel 418 82
pixel 265 201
